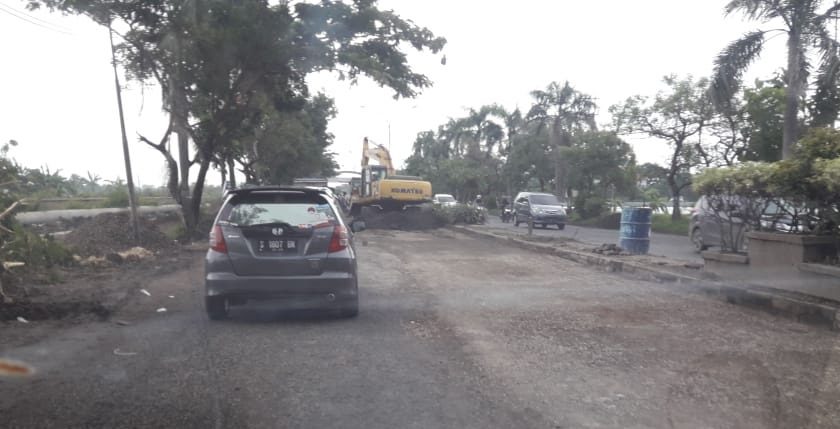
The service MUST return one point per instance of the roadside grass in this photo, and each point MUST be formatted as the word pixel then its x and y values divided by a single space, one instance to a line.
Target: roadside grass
pixel 660 223
pixel 663 224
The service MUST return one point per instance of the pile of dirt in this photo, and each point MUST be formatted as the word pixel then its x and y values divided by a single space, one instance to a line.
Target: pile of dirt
pixel 110 233
pixel 408 220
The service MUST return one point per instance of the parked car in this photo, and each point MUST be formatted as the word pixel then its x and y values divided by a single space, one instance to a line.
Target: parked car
pixel 544 209
pixel 444 200
pixel 706 225
pixel 276 242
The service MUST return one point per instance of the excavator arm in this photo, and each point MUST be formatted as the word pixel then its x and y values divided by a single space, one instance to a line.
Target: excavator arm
pixel 379 153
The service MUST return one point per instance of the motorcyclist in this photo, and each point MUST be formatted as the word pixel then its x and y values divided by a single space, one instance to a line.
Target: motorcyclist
pixel 478 201
pixel 503 205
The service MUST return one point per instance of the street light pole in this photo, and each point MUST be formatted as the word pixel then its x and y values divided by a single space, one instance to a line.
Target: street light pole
pixel 132 201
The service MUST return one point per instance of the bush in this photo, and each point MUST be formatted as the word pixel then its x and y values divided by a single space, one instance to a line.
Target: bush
pixel 739 197
pixel 460 213
pixel 805 186
pixel 118 198
pixel 38 254
pixel 590 207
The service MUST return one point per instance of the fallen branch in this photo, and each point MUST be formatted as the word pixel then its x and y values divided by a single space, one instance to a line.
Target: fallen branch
pixel 9 210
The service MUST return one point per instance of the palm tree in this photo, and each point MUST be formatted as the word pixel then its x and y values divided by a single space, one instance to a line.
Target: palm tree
pixel 564 110
pixel 806 28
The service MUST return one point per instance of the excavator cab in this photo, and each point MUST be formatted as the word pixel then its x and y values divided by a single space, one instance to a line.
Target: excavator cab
pixel 372 174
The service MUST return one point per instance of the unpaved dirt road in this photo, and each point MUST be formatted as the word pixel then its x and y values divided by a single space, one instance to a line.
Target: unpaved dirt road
pixel 453 332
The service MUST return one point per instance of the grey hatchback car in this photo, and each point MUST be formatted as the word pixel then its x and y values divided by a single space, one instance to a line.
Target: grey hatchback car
pixel 288 243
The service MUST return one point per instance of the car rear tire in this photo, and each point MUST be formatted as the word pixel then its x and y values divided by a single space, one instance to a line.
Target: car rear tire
pixel 217 307
pixel 561 226
pixel 697 240
pixel 350 310
pixel 515 221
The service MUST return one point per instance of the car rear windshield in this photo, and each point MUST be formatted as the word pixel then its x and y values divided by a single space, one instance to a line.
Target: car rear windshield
pixel 545 200
pixel 446 199
pixel 294 209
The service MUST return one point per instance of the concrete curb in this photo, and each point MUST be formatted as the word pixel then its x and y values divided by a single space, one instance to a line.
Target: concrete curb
pixel 800 307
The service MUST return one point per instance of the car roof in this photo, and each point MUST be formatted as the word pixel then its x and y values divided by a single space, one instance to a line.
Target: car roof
pixel 525 194
pixel 266 189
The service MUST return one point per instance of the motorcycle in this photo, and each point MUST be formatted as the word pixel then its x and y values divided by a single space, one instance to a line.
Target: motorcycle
pixel 478 215
pixel 507 214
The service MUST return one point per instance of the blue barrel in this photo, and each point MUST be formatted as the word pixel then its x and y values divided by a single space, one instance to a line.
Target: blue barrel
pixel 635 230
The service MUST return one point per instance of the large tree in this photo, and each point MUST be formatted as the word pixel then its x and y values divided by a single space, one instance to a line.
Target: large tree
pixel 296 140
pixel 562 110
pixel 599 161
pixel 223 66
pixel 676 116
pixel 805 23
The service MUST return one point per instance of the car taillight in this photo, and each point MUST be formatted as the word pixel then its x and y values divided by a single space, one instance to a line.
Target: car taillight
pixel 339 240
pixel 217 240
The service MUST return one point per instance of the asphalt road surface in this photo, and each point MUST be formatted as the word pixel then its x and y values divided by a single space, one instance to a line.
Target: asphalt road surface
pixel 672 246
pixel 454 332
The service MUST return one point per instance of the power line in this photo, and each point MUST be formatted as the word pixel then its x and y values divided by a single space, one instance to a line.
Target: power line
pixel 33 20
pixel 31 16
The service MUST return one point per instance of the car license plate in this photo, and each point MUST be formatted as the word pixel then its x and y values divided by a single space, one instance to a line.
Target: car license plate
pixel 276 246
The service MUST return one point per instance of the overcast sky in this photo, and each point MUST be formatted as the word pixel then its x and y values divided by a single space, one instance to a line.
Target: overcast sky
pixel 57 91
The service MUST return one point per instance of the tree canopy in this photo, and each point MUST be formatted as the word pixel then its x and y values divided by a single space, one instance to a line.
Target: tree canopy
pixel 229 70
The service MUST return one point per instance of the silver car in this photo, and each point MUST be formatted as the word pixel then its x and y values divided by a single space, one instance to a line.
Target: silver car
pixel 288 243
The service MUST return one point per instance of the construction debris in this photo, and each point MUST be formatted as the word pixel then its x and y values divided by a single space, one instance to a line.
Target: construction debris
pixel 609 249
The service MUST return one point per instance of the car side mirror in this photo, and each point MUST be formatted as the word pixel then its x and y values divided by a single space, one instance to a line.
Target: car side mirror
pixel 357 226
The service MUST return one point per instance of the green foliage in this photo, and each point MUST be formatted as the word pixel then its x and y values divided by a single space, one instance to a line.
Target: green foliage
pixel 676 116
pixel 765 118
pixel 805 185
pixel 230 70
pixel 739 197
pixel 597 162
pixel 590 206
pixel 749 180
pixel 290 144
pixel 662 223
pixel 460 213
pixel 562 111
pixel 808 30
pixel 492 151
pixel 36 252
pixel 653 198
pixel 117 198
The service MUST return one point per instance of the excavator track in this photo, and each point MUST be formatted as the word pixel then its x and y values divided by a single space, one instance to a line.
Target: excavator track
pixel 408 218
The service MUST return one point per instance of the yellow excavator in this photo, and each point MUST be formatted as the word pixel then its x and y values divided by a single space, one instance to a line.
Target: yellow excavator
pixel 383 189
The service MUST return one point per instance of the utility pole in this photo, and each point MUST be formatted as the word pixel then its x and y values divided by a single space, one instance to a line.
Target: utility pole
pixel 389 137
pixel 132 201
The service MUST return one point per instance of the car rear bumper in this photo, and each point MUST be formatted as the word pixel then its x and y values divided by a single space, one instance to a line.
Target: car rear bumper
pixel 341 285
